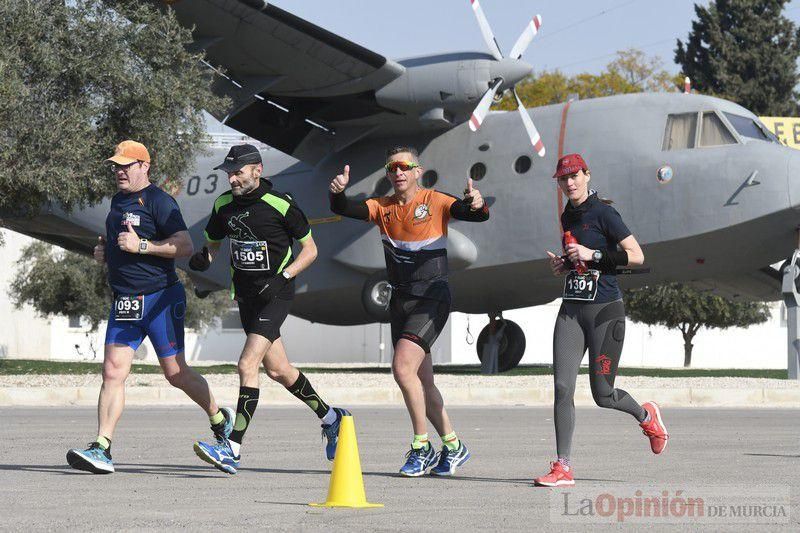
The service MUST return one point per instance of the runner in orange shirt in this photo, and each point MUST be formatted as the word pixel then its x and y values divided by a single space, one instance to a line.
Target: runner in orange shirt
pixel 413 225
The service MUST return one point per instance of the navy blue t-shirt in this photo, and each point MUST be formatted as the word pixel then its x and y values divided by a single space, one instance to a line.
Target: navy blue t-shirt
pixel 154 216
pixel 597 225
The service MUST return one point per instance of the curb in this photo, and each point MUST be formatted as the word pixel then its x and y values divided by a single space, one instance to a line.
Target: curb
pixel 461 396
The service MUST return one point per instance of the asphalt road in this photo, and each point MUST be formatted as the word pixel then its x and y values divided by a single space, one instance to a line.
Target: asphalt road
pixel 741 459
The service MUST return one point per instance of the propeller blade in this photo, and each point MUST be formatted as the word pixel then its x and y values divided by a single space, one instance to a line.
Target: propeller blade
pixel 486 30
pixel 480 112
pixel 526 37
pixel 533 133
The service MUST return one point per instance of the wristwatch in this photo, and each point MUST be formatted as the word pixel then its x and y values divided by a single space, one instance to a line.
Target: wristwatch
pixel 597 256
pixel 286 275
pixel 142 246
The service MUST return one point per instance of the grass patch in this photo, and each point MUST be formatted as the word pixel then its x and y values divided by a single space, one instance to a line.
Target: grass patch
pixel 38 367
pixel 28 366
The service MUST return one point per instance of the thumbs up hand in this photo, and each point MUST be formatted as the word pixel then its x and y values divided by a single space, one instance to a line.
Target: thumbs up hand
pixel 100 250
pixel 339 183
pixel 128 241
pixel 473 196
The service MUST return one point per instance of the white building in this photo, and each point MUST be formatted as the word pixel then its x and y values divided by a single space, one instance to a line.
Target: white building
pixel 26 335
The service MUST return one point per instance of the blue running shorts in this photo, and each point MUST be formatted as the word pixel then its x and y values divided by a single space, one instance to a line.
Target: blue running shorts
pixel 162 321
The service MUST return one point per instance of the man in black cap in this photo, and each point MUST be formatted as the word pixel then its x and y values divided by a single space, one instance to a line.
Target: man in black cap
pixel 260 224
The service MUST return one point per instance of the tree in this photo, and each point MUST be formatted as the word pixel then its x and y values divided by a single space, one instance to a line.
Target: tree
pixel 58 282
pixel 76 78
pixel 678 306
pixel 642 72
pixel 630 72
pixel 745 51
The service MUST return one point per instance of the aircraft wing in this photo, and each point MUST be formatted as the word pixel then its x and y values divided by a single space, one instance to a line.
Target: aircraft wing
pixel 292 84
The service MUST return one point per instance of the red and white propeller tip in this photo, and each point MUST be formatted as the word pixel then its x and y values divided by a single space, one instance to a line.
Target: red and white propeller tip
pixel 533 133
pixel 482 109
pixel 526 37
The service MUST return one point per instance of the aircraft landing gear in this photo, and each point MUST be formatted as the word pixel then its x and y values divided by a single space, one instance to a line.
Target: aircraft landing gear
pixel 791 298
pixel 501 345
pixel 375 296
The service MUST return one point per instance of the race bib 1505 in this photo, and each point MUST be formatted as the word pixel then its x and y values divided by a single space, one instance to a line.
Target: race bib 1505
pixel 249 255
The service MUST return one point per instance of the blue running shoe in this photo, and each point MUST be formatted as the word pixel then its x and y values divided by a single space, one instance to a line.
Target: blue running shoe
pixel 418 461
pixel 220 455
pixel 331 432
pixel 94 459
pixel 225 427
pixel 449 460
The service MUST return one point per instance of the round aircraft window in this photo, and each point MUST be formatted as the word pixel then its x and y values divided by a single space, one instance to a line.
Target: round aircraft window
pixel 478 171
pixel 383 187
pixel 429 179
pixel 665 174
pixel 522 164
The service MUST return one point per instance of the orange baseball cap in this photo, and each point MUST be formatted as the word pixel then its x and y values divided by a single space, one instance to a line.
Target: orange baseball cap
pixel 128 152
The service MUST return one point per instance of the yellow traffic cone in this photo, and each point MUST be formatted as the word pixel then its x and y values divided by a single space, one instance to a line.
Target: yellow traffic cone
pixel 347 485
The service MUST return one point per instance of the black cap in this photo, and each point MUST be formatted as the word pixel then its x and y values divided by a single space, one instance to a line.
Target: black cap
pixel 239 156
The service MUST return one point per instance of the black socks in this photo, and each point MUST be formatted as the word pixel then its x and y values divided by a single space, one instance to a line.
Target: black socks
pixel 303 391
pixel 248 401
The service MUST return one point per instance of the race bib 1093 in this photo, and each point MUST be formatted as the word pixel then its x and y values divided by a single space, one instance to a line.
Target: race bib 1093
pixel 127 307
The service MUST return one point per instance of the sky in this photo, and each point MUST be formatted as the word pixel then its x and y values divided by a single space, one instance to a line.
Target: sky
pixel 576 35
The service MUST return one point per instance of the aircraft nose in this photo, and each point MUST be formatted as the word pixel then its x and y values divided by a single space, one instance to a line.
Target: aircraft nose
pixel 511 70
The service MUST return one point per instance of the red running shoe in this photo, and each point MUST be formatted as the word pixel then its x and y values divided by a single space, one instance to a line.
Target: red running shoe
pixel 654 428
pixel 558 477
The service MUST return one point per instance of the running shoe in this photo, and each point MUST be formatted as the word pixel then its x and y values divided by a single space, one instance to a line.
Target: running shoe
pixel 558 477
pixel 654 428
pixel 225 428
pixel 93 459
pixel 220 455
pixel 331 432
pixel 449 460
pixel 418 461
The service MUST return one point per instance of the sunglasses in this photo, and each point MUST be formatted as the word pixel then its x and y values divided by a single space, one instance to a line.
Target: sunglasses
pixel 402 165
pixel 116 166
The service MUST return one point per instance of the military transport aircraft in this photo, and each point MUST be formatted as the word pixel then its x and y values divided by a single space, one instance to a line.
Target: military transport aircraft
pixel 707 189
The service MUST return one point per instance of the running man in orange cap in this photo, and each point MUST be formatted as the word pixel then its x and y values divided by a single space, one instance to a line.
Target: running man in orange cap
pixel 145 233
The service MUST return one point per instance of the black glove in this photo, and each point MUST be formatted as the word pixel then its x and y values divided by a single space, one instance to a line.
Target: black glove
pixel 200 260
pixel 272 287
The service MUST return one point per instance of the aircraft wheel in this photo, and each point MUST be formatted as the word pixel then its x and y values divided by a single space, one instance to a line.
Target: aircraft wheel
pixel 375 296
pixel 201 294
pixel 512 344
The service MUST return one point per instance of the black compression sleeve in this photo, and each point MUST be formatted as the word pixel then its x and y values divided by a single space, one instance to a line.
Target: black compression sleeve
pixel 613 258
pixel 460 210
pixel 341 205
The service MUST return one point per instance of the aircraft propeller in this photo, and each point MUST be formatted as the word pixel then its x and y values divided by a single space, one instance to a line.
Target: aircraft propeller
pixel 517 50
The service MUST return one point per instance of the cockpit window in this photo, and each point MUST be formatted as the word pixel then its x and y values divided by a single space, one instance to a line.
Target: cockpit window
pixel 768 132
pixel 713 132
pixel 681 131
pixel 747 127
